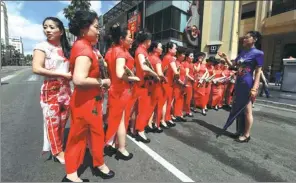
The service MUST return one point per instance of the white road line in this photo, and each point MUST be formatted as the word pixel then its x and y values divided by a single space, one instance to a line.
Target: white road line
pixel 7 77
pixel 180 175
pixel 33 78
pixel 273 107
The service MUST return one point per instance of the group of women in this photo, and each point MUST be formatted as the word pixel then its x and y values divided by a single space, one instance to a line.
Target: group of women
pixel 145 93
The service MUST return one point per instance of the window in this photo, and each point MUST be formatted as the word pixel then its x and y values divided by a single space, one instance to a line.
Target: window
pixel 149 23
pixel 176 18
pixel 248 10
pixel 158 22
pixel 166 15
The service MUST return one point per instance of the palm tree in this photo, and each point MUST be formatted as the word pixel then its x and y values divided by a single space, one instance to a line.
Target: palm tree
pixel 74 6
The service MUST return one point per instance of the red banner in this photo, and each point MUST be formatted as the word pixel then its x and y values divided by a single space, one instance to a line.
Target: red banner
pixel 134 23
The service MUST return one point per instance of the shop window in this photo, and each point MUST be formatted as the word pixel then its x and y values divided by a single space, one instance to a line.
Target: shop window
pixel 248 10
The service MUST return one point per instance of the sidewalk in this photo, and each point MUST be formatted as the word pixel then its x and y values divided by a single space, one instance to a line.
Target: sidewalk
pixel 278 98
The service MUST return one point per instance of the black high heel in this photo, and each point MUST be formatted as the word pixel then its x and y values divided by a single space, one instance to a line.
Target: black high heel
pixel 65 179
pixel 140 138
pixel 98 173
pixel 170 124
pixel 148 129
pixel 121 156
pixel 159 130
pixel 109 150
pixel 247 139
pixel 55 159
pixel 181 119
pixel 164 127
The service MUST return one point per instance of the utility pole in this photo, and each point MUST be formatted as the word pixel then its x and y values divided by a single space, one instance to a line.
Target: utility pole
pixel 144 13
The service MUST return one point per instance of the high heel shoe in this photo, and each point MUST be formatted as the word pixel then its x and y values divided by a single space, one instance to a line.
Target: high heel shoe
pixel 159 130
pixel 58 160
pixel 109 150
pixel 65 179
pixel 170 124
pixel 140 138
pixel 121 156
pixel 98 173
pixel 247 139
pixel 164 127
pixel 148 129
pixel 180 119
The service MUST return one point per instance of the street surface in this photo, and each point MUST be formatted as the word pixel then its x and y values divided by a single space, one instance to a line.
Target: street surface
pixel 187 152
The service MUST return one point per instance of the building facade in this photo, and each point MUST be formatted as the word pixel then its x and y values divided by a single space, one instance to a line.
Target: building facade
pixel 4 24
pixel 17 43
pixel 276 20
pixel 207 26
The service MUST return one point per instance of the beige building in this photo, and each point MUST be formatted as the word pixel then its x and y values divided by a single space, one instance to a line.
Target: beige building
pixel 220 27
pixel 276 20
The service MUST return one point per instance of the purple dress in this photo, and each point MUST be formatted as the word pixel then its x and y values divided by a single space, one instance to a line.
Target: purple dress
pixel 247 61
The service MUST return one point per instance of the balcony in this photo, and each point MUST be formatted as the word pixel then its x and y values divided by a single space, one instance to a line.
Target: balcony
pixel 282 6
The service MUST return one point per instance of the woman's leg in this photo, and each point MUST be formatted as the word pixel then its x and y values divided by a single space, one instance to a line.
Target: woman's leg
pixel 249 121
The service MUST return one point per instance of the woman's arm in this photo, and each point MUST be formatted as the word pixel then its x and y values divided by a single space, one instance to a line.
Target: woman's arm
pixel 120 72
pixel 144 67
pixel 227 60
pixel 38 66
pixel 80 75
pixel 187 74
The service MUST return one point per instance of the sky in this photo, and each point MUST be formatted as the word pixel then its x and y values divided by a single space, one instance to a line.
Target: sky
pixel 25 18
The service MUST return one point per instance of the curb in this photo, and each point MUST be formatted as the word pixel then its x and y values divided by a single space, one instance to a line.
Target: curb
pixel 276 104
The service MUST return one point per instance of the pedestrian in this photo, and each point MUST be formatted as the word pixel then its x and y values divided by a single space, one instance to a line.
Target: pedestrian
pixel 87 99
pixel 50 59
pixel 201 73
pixel 120 92
pixel 170 70
pixel 157 95
pixel 179 86
pixel 264 87
pixel 189 74
pixel 146 75
pixel 246 88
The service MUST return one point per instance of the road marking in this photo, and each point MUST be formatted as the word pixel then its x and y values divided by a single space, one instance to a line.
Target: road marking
pixel 33 78
pixel 180 175
pixel 273 107
pixel 8 77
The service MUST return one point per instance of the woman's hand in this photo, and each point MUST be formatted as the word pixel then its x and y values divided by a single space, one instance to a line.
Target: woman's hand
pixel 106 83
pixel 222 55
pixel 67 75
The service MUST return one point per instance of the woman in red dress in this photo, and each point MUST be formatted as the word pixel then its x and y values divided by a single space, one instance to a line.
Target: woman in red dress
pixel 189 69
pixel 230 88
pixel 170 70
pixel 157 94
pixel 51 61
pixel 86 101
pixel 179 87
pixel 210 67
pixel 200 97
pixel 226 72
pixel 119 92
pixel 217 86
pixel 143 71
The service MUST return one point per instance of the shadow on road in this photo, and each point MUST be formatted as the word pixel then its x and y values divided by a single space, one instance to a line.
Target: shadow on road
pixel 213 128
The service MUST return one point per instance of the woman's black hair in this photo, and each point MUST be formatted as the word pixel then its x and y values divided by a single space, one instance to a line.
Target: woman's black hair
pixel 256 35
pixel 64 41
pixel 188 52
pixel 169 45
pixel 152 46
pixel 140 37
pixel 82 19
pixel 117 32
pixel 180 51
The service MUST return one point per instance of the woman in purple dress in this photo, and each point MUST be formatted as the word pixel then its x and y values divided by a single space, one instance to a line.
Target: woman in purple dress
pixel 246 88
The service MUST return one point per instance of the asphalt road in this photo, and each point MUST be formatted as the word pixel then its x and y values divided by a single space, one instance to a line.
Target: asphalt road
pixel 190 151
